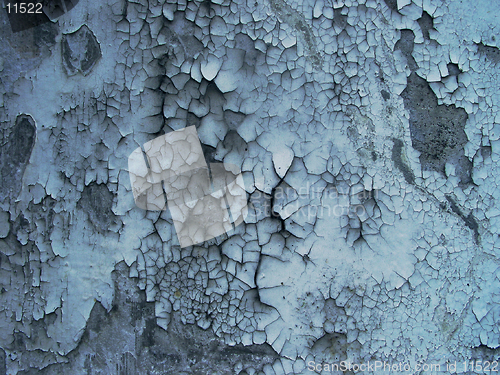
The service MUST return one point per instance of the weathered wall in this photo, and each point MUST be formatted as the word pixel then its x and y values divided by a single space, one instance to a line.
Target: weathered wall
pixel 368 137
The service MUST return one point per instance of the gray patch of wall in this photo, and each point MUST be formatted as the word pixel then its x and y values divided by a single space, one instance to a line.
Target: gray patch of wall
pixel 127 341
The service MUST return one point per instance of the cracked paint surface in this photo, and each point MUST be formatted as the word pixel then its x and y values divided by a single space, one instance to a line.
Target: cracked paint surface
pixel 368 141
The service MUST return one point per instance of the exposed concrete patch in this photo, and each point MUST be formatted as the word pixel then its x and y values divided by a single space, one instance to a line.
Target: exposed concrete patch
pixel 45 37
pixel 397 158
pixel 233 119
pixel 15 155
pixel 97 201
pixel 80 51
pixel 340 19
pixel 393 4
pixel 482 352
pixel 437 131
pixel 426 23
pixel 491 53
pixel 406 44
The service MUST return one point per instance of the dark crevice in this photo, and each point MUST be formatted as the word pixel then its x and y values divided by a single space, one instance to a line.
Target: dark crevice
pixel 274 214
pixel 453 69
pixel 405 45
pixel 393 4
pixel 233 119
pixel 3 368
pixel 490 52
pixel 209 153
pixel 469 220
pixel 397 158
pixel 485 353
pixel 80 51
pixel 298 21
pixel 339 19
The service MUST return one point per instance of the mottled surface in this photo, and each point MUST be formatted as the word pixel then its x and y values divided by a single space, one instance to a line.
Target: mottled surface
pixel 80 51
pixel 368 138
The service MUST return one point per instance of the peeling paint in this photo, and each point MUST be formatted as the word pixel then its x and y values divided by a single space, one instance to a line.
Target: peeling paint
pixel 367 136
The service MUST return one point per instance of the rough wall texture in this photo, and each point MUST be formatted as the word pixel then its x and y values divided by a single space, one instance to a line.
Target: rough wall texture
pixel 368 138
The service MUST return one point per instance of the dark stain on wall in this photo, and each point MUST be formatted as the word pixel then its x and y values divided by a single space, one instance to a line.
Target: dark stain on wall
pixel 127 341
pixel 80 51
pixel 437 131
pixel 97 201
pixel 15 154
pixel 397 158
